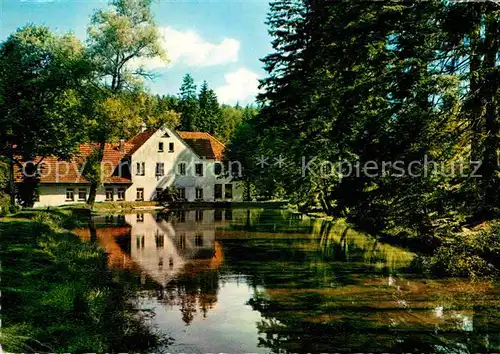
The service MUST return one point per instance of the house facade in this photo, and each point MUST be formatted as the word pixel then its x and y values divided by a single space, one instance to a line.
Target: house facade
pixel 141 168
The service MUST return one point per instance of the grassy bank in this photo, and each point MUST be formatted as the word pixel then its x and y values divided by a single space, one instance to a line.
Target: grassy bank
pixel 58 294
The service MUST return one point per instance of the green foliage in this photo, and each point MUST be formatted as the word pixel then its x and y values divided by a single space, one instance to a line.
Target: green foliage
pixel 119 38
pixel 41 81
pixel 169 194
pixel 471 254
pixel 210 113
pixel 4 187
pixel 61 297
pixel 125 113
pixel 188 104
pixel 92 169
pixel 381 82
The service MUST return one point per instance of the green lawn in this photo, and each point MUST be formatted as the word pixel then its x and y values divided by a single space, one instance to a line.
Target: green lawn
pixel 58 294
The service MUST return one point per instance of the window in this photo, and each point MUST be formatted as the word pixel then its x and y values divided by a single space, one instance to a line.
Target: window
pixel 139 194
pixel 70 194
pixel 228 191
pixel 217 168
pixel 182 241
pixel 199 193
pixel 159 240
pixel 140 169
pixel 198 168
pixel 139 241
pixel 182 169
pixel 82 194
pixel 160 147
pixel 182 193
pixel 160 168
pixel 109 194
pixel 120 193
pixel 140 217
pixel 198 240
pixel 199 215
pixel 218 191
pixel 181 216
pixel 228 214
pixel 235 168
pixel 158 192
pixel 218 214
pixel 170 147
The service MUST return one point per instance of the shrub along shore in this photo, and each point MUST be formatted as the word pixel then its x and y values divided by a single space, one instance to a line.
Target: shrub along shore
pixel 58 294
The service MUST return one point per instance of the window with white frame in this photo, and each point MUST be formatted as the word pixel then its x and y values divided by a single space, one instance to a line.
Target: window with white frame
pixel 82 194
pixel 139 194
pixel 70 194
pixel 160 169
pixel 159 191
pixel 218 191
pixel 198 169
pixel 228 191
pixel 199 193
pixel 120 193
pixel 109 194
pixel 140 169
pixel 217 168
pixel 182 168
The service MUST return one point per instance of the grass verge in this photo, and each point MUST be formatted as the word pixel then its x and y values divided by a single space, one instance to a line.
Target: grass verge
pixel 58 295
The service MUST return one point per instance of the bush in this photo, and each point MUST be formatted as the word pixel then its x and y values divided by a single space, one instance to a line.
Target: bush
pixel 4 204
pixel 468 254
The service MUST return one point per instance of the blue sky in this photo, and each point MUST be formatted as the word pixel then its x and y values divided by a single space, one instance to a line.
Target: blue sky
pixel 220 41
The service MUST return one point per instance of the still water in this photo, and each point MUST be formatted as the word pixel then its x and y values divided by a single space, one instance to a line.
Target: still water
pixel 260 281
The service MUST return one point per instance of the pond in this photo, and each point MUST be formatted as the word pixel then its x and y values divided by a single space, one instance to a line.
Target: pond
pixel 266 280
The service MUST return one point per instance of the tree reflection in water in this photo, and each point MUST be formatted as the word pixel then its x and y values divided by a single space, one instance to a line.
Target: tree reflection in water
pixel 319 286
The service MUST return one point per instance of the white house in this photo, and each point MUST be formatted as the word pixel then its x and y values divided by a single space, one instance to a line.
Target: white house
pixel 141 168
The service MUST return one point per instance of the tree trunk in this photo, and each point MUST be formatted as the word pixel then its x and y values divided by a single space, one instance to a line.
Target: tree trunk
pixel 95 184
pixel 490 158
pixel 475 87
pixel 12 190
pixel 325 204
pixel 247 191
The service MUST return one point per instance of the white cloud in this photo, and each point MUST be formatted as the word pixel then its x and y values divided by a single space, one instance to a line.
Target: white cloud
pixel 241 86
pixel 191 49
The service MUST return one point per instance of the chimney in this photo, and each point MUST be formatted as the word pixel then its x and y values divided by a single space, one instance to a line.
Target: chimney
pixel 143 127
pixel 122 146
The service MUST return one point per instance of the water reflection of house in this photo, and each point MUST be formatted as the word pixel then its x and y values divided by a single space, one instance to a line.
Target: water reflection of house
pixel 177 250
pixel 161 248
pixel 109 239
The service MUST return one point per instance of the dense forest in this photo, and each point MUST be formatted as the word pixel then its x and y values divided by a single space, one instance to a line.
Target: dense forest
pixel 386 113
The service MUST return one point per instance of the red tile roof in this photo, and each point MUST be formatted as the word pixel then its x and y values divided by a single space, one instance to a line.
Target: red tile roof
pixel 204 144
pixel 138 140
pixel 53 170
